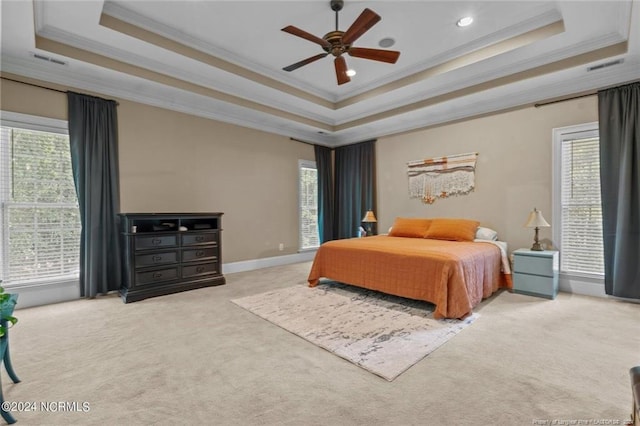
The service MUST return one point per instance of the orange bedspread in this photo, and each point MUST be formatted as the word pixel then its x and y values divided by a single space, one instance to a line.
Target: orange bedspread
pixel 455 276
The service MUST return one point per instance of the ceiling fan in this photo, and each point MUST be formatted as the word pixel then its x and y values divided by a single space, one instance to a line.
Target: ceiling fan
pixel 339 42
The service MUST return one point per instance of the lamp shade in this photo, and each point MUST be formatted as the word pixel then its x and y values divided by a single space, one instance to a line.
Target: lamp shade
pixel 536 220
pixel 369 217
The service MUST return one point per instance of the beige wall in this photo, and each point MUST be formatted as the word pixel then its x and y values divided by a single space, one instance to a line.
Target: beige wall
pixel 513 171
pixel 172 162
pixel 17 97
pixel 177 162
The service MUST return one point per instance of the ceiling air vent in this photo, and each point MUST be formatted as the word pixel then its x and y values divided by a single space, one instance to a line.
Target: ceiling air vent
pixel 605 65
pixel 48 59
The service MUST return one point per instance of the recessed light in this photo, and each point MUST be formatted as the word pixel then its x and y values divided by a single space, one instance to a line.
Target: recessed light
pixel 351 73
pixel 463 22
pixel 386 42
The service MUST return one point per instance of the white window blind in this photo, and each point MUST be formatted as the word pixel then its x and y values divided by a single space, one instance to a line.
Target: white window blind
pixel 308 196
pixel 581 208
pixel 39 208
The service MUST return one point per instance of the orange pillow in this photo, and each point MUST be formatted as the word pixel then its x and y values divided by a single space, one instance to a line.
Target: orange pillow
pixel 452 229
pixel 412 227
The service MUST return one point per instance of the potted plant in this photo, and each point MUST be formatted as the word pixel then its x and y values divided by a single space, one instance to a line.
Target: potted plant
pixel 7 304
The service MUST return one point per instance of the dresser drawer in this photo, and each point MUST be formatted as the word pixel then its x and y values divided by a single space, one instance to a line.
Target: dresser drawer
pixel 164 253
pixel 197 239
pixel 155 241
pixel 537 265
pixel 535 285
pixel 205 253
pixel 157 276
pixel 143 260
pixel 202 269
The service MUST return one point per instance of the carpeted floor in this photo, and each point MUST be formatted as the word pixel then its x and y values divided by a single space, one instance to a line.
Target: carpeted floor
pixel 197 358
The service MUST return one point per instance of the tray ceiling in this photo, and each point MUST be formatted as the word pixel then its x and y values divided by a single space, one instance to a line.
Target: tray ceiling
pixel 223 59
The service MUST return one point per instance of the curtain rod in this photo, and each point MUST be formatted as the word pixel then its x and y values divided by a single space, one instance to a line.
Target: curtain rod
pixel 40 87
pixel 301 141
pixel 564 99
pixel 34 85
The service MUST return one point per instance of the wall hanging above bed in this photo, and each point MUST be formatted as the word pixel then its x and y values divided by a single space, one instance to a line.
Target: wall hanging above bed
pixel 440 177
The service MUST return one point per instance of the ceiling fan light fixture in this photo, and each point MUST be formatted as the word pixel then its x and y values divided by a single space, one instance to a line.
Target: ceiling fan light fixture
pixel 351 72
pixel 465 22
pixel 386 42
pixel 339 43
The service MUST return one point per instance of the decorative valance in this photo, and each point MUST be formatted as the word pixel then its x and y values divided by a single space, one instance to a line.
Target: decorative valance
pixel 440 177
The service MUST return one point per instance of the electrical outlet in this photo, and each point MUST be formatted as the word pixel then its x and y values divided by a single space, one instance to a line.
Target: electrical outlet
pixel 281 246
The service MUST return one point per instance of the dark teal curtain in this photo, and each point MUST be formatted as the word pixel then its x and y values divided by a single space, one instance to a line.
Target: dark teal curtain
pixel 619 112
pixel 93 137
pixel 355 180
pixel 324 166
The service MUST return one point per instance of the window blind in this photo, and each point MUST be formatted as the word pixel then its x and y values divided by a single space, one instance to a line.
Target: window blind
pixel 309 231
pixel 40 217
pixel 581 214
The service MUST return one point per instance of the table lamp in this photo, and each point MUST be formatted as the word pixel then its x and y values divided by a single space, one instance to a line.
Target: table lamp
pixel 536 221
pixel 368 219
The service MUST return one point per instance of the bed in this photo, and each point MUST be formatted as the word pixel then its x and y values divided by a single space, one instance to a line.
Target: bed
pixel 453 272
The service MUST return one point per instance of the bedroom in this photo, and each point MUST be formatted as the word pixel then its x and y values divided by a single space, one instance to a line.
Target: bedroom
pixel 255 185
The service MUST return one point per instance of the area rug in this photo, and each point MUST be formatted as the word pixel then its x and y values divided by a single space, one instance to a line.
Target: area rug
pixel 381 333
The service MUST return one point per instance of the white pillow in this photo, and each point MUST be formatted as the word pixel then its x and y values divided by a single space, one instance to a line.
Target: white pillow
pixel 486 234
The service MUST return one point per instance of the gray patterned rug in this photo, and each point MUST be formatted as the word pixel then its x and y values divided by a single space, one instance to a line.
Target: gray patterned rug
pixel 381 333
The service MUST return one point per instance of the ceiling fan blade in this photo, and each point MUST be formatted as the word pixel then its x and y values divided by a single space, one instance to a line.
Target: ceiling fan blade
pixel 305 35
pixel 390 56
pixel 304 62
pixel 367 19
pixel 341 70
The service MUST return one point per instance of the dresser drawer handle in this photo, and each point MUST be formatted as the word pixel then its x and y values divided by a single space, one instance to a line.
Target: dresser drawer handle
pixel 157 275
pixel 200 269
pixel 157 258
pixel 156 241
pixel 200 238
pixel 200 253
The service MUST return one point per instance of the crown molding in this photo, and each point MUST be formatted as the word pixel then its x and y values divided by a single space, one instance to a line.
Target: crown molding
pixel 625 20
pixel 543 19
pixel 506 98
pixel 541 75
pixel 119 12
pixel 470 75
pixel 242 91
pixel 461 108
pixel 215 110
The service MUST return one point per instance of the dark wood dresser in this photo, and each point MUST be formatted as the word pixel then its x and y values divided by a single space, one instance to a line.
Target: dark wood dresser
pixel 166 253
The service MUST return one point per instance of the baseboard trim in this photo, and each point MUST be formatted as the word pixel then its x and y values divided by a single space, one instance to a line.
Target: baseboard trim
pixel 45 294
pixel 64 291
pixel 69 290
pixel 250 265
pixel 589 287
pixel 582 285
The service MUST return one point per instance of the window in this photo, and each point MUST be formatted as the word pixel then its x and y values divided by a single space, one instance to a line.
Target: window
pixel 577 206
pixel 308 196
pixel 38 204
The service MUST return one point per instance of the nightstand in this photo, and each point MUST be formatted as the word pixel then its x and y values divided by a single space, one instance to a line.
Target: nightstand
pixel 536 272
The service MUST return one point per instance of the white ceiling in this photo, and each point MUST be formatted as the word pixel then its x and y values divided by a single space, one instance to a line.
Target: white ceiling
pixel 224 59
